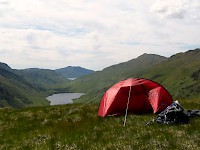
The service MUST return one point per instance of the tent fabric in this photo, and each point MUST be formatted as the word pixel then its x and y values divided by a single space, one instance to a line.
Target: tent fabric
pixel 145 96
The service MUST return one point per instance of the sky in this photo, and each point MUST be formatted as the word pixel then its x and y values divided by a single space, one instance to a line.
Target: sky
pixel 94 34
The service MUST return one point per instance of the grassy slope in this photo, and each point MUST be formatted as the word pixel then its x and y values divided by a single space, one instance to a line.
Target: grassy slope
pixel 180 74
pixel 17 92
pixel 53 128
pixel 42 78
pixel 112 74
pixel 29 87
pixel 99 81
pixel 73 71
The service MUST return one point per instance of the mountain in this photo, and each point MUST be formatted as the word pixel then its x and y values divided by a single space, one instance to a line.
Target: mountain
pixel 101 80
pixel 42 78
pixel 4 66
pixel 179 74
pixel 28 87
pixel 16 92
pixel 73 72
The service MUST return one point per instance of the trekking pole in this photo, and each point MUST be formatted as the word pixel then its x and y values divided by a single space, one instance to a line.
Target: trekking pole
pixel 129 95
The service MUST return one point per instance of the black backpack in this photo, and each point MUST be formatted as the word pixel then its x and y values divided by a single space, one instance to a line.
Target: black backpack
pixel 172 114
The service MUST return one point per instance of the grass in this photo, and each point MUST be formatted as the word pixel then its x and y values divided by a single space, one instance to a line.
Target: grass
pixel 53 127
pixel 179 74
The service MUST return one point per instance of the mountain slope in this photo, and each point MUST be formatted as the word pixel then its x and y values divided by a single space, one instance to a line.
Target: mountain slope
pixel 180 74
pixel 16 91
pixel 4 66
pixel 42 78
pixel 73 72
pixel 101 80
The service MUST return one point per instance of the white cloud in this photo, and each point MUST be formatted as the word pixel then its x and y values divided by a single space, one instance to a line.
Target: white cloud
pixel 94 34
pixel 179 9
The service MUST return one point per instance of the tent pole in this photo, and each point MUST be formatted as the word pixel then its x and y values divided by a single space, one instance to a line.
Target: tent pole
pixel 129 95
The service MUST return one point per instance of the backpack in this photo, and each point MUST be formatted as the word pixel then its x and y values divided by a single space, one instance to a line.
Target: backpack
pixel 172 114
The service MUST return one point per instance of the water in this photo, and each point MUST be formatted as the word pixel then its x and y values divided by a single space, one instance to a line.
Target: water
pixel 63 98
pixel 71 78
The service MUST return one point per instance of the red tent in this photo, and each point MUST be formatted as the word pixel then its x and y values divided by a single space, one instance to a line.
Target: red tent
pixel 134 95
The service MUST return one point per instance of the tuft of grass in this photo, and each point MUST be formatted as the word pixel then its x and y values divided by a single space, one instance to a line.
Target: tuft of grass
pixel 53 127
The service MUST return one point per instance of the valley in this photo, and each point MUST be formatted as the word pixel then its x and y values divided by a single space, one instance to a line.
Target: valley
pixel 179 74
pixel 99 75
pixel 27 121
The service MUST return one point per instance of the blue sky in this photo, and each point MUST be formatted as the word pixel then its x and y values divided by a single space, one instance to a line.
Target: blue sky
pixel 94 33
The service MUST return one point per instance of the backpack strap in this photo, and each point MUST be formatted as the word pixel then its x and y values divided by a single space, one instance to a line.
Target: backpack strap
pixel 191 113
pixel 150 122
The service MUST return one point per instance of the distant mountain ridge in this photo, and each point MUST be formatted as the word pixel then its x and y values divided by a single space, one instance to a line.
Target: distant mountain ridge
pixel 28 87
pixel 114 73
pixel 41 77
pixel 179 74
pixel 4 66
pixel 73 71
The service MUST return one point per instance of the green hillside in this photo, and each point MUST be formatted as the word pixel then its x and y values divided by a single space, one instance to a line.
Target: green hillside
pixel 179 74
pixel 16 92
pixel 73 71
pixel 43 79
pixel 112 74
